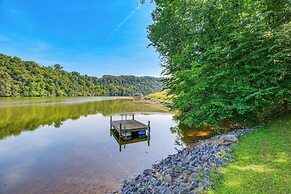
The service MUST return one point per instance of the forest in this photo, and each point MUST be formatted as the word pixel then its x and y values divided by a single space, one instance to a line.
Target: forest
pixel 20 78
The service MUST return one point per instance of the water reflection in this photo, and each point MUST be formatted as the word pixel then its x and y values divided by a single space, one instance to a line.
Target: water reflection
pixel 135 139
pixel 62 145
pixel 186 136
pixel 15 118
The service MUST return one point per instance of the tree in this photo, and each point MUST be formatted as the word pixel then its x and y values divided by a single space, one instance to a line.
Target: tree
pixel 226 60
pixel 58 67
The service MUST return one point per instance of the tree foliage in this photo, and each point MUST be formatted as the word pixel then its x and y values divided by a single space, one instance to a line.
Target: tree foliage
pixel 27 78
pixel 226 59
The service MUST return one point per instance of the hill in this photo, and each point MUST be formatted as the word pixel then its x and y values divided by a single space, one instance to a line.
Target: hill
pixel 27 78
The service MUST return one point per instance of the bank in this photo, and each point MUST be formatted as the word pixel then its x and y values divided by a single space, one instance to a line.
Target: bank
pixel 242 161
pixel 263 161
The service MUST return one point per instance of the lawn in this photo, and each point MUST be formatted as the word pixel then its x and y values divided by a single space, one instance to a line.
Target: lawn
pixel 263 161
pixel 160 97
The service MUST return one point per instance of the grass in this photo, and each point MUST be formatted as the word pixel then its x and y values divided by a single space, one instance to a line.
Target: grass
pixel 160 97
pixel 263 162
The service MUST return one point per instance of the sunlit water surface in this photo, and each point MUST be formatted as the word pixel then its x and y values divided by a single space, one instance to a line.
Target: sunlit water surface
pixel 63 145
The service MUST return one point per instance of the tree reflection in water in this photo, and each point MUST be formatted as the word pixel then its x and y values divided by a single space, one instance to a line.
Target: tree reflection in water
pixel 16 119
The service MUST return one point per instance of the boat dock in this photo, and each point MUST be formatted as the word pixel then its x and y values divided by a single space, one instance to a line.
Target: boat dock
pixel 128 131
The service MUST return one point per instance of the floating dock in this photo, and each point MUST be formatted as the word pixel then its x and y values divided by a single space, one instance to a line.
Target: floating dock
pixel 128 131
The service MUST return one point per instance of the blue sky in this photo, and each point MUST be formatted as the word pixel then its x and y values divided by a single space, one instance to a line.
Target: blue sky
pixel 94 37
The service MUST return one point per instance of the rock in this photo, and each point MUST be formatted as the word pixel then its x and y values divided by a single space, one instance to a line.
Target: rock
pixel 200 186
pixel 147 171
pixel 189 170
pixel 156 165
pixel 168 178
pixel 162 189
pixel 159 183
pixel 140 191
pixel 175 189
pixel 229 138
pixel 183 185
pixel 153 181
pixel 157 175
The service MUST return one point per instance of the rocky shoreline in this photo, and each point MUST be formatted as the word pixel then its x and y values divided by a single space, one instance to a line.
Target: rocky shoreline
pixel 191 170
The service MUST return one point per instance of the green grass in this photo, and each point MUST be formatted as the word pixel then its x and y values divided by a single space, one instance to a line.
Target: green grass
pixel 160 97
pixel 263 162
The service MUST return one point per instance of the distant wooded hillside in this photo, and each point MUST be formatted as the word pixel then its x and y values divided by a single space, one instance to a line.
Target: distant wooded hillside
pixel 27 78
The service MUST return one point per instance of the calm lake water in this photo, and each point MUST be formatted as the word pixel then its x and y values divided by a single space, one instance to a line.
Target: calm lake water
pixel 63 145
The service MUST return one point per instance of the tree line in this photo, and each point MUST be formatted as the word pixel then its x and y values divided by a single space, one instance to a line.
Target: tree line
pixel 20 78
pixel 226 60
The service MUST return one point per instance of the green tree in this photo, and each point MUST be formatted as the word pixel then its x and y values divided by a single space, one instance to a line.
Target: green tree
pixel 58 67
pixel 226 60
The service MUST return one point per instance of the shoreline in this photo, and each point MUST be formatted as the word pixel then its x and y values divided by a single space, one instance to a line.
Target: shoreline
pixel 191 170
pixel 156 103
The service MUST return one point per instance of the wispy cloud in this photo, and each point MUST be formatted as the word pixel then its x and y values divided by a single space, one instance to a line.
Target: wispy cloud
pixel 125 20
pixel 4 38
pixel 39 46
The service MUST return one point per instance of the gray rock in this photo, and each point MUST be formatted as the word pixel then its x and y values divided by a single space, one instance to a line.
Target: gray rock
pixel 162 189
pixel 153 181
pixel 229 138
pixel 201 185
pixel 168 178
pixel 147 171
pixel 181 172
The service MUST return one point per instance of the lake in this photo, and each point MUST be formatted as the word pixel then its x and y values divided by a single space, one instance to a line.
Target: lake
pixel 63 145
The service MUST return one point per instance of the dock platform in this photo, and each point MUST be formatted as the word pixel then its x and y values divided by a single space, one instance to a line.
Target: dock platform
pixel 129 125
pixel 128 131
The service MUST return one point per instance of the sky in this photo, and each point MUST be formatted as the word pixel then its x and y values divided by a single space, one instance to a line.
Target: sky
pixel 93 37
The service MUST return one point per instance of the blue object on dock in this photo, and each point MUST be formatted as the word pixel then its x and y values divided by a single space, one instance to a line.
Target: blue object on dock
pixel 142 132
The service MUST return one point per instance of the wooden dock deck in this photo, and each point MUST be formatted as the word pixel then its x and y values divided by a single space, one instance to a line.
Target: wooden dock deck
pixel 128 125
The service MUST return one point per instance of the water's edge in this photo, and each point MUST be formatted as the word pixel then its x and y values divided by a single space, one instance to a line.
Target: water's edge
pixel 191 170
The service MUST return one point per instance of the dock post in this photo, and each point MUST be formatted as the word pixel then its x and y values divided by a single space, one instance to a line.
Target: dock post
pixel 149 132
pixel 120 131
pixel 149 128
pixel 149 125
pixel 110 122
pixel 132 117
